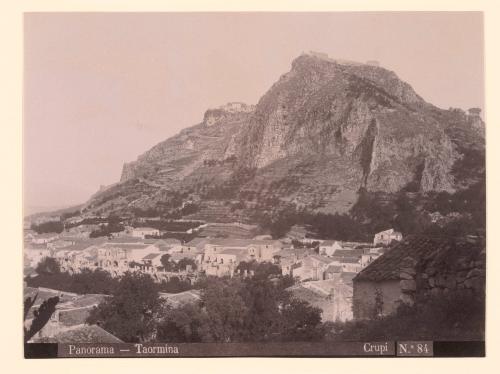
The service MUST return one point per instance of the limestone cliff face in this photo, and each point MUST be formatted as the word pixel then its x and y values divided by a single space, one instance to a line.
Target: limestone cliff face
pixel 324 130
pixel 362 114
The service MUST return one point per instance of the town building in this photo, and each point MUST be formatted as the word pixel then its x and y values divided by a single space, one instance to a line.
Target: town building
pixel 387 237
pixel 312 267
pixel 300 233
pixel 332 296
pixel 44 238
pixel 222 256
pixel 143 232
pixel 120 258
pixel 329 247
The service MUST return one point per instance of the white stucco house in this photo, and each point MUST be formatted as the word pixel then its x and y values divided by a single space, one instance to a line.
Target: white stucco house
pixel 387 236
pixel 142 232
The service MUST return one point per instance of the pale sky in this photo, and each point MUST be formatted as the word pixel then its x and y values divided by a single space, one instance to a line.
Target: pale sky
pixel 100 89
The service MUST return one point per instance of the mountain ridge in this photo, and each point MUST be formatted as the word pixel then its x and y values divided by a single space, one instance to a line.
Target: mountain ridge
pixel 321 133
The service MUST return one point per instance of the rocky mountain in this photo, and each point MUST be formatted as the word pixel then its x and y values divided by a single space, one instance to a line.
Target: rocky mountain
pixel 324 131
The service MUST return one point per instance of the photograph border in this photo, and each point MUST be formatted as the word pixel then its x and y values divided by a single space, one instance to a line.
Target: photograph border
pixel 12 196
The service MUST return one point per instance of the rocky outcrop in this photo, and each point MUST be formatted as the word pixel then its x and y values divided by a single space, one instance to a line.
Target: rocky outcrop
pixel 226 112
pixel 355 112
pixel 215 138
pixel 324 130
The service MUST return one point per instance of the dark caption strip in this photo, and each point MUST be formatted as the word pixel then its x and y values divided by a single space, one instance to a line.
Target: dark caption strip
pixel 334 349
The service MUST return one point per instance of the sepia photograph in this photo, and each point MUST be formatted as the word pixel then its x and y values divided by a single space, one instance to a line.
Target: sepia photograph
pixel 254 184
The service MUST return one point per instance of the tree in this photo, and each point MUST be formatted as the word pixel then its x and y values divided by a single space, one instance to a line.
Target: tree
pixel 40 316
pixel 226 311
pixel 48 227
pixel 236 310
pixel 263 300
pixel 300 321
pixel 175 285
pixel 87 281
pixel 184 262
pixel 93 281
pixel 47 266
pixel 264 270
pixel 243 265
pixel 165 262
pixel 184 324
pixel 132 311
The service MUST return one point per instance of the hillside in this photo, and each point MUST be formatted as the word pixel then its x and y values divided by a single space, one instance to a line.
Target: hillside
pixel 325 131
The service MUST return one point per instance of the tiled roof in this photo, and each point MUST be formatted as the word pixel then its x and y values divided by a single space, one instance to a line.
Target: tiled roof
pixel 126 239
pixel 151 256
pixel 348 252
pixel 171 241
pixel 306 294
pixel 318 293
pixel 194 242
pixel 243 242
pixel 328 243
pixel 333 269
pixel 349 260
pixel 83 244
pixel 323 259
pixel 126 246
pixel 441 252
pixel 291 252
pixel 35 246
pixel 347 276
pixel 182 298
pixel 68 301
pixel 46 236
pixel 84 301
pixel 179 256
pixel 357 245
pixel 72 317
pixel 234 251
pixel 388 231
pixel 83 334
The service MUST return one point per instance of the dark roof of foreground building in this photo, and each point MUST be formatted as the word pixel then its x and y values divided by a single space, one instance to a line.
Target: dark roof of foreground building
pixel 438 252
pixel 81 334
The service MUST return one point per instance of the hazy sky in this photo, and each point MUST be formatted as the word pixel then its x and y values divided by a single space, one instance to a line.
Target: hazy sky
pixel 100 89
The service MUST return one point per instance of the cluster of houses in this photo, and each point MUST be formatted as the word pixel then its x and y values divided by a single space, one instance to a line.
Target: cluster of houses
pixel 213 256
pixel 377 290
pixel 323 269
pixel 346 280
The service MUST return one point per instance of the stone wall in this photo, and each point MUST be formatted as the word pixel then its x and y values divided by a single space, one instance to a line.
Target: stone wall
pixel 465 272
pixel 452 269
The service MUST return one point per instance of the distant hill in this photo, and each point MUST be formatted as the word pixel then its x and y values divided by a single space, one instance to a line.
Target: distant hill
pixel 36 211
